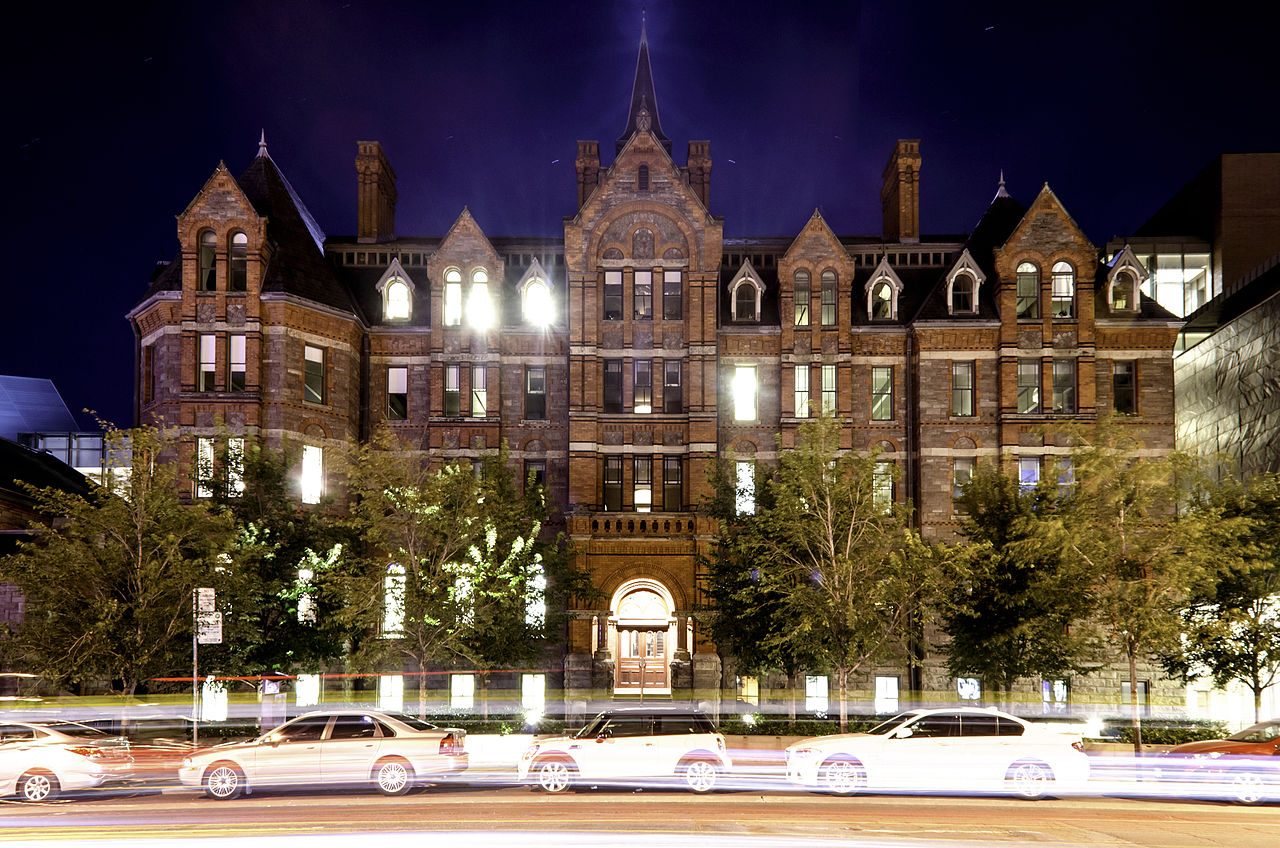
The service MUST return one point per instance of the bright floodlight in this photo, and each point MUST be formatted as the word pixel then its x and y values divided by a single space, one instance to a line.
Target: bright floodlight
pixel 479 309
pixel 537 304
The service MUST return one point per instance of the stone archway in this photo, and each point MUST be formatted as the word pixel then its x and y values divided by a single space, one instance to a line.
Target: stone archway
pixel 642 636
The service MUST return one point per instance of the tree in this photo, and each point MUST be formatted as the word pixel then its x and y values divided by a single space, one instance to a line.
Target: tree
pixel 109 577
pixel 1232 622
pixel 1019 610
pixel 454 564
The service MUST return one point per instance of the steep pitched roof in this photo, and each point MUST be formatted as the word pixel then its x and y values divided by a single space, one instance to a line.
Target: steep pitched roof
pixel 994 228
pixel 643 99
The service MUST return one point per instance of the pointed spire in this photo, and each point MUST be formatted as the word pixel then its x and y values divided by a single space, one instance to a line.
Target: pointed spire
pixel 1000 191
pixel 643 114
pixel 262 144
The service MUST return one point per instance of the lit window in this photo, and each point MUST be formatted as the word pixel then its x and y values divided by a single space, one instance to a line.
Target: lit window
pixel 1066 475
pixel 1124 293
pixel 1124 386
pixel 613 483
pixel 642 295
pixel 1064 385
pixel 961 474
pixel 312 474
pixel 672 484
pixel 612 386
pixel 1028 290
pixel 1028 472
pixel 882 393
pixel 208 261
pixel 744 302
pixel 462 691
pixel 390 693
pixel 535 392
pixel 642 483
pixel 453 390
pixel 802 391
pixel 235 467
pixel 882 485
pixel 397 300
pixel 1028 386
pixel 745 491
pixel 815 694
pixel 204 467
pixel 533 692
pixel 398 392
pixel 452 297
pixel 672 296
pixel 962 300
pixel 235 373
pixel 642 386
pixel 828 298
pixel 828 390
pixel 744 393
pixel 479 307
pixel 802 298
pixel 613 295
pixel 882 301
pixel 886 695
pixel 208 363
pixel 1063 281
pixel 537 303
pixel 238 276
pixel 969 688
pixel 962 388
pixel 479 391
pixel 672 391
pixel 314 377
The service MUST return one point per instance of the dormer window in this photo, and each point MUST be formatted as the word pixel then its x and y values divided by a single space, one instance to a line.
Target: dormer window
pixel 238 265
pixel 397 306
pixel 744 302
pixel 207 280
pixel 962 299
pixel 537 303
pixel 964 280
pixel 1124 292
pixel 479 307
pixel 1124 282
pixel 452 297
pixel 1064 290
pixel 882 291
pixel 642 178
pixel 882 301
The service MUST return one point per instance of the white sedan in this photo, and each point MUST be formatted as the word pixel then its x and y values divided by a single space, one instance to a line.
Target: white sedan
pixel 38 761
pixel 948 750
pixel 391 752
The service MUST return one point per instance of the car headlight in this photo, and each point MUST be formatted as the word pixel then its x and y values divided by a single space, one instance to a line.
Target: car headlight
pixel 187 763
pixel 529 752
pixel 804 753
pixel 1212 755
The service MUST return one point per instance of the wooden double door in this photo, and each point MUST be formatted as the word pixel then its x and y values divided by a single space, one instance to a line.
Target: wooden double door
pixel 643 660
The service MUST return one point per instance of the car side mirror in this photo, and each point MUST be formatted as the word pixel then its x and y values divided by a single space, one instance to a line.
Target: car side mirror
pixel 273 740
pixel 901 733
pixel 604 734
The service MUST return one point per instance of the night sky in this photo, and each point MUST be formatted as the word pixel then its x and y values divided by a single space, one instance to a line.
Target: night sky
pixel 119 112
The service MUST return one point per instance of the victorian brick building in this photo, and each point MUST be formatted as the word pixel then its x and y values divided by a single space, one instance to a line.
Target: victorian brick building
pixel 618 362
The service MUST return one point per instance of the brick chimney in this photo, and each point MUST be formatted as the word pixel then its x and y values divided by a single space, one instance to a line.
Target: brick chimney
pixel 900 195
pixel 588 165
pixel 699 170
pixel 375 193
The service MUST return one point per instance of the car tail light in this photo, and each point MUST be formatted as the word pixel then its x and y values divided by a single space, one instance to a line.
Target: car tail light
pixel 720 743
pixel 449 745
pixel 93 753
pixel 1079 745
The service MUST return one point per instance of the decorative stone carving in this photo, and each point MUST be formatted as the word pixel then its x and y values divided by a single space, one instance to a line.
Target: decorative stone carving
pixel 205 313
pixel 235 314
pixel 642 244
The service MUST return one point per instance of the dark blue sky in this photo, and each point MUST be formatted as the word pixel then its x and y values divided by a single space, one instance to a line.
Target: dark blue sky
pixel 120 112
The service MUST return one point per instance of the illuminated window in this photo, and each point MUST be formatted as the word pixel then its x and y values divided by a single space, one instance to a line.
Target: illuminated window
pixel 204 467
pixel 969 688
pixel 612 386
pixel 1028 276
pixel 882 393
pixel 313 382
pixel 672 484
pixel 238 270
pixel 882 301
pixel 828 298
pixel 642 295
pixel 235 467
pixel 962 294
pixel 1066 475
pixel 815 694
pixel 642 386
pixel 746 300
pixel 744 393
pixel 1028 386
pixel 208 363
pixel 391 693
pixel 672 295
pixel 462 691
pixel 642 483
pixel 453 390
pixel 1124 386
pixel 745 490
pixel 312 474
pixel 537 303
pixel 535 392
pixel 479 391
pixel 613 483
pixel 207 280
pixel 1124 292
pixel 882 485
pixel 613 295
pixel 802 391
pixel 962 388
pixel 672 391
pixel 1064 385
pixel 961 474
pixel 235 369
pixel 397 305
pixel 398 392
pixel 886 695
pixel 479 307
pixel 1028 472
pixel 802 298
pixel 828 390
pixel 452 297
pixel 1063 281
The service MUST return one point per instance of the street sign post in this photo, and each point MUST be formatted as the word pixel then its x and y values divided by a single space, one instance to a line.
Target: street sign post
pixel 206 629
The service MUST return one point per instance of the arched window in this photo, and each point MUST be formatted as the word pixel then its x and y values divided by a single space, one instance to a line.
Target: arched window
pixel 745 299
pixel 208 251
pixel 882 301
pixel 962 299
pixel 537 303
pixel 1028 290
pixel 828 295
pixel 642 178
pixel 397 305
pixel 1124 292
pixel 238 276
pixel 1064 290
pixel 802 297
pixel 452 297
pixel 479 307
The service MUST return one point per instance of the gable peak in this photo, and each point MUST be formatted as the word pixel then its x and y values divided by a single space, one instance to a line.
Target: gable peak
pixel 642 115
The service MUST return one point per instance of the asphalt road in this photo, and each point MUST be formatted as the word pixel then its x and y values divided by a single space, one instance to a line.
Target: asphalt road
pixel 514 816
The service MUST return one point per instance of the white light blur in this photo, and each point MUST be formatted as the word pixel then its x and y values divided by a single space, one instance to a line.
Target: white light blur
pixel 479 309
pixel 538 309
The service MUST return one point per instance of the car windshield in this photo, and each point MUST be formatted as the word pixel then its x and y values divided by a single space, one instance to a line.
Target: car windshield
pixel 413 721
pixel 885 726
pixel 70 728
pixel 593 727
pixel 1267 731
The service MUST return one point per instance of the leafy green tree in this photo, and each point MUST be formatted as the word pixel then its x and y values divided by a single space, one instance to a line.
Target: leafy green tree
pixel 109 577
pixel 1231 622
pixel 1018 612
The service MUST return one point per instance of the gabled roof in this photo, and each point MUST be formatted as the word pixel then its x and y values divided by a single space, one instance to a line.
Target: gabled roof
pixel 994 228
pixel 643 99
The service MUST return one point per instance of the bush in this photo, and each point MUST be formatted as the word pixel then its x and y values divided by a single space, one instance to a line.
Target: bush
pixel 1165 731
pixel 781 726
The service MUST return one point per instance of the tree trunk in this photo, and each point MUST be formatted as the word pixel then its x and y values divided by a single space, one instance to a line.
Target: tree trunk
pixel 484 695
pixel 792 680
pixel 842 675
pixel 1257 704
pixel 422 689
pixel 1134 715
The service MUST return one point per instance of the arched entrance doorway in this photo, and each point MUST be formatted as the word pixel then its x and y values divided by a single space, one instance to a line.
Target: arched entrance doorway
pixel 643 627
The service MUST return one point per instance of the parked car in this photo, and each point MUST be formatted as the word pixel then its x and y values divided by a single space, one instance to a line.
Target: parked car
pixel 630 746
pixel 391 752
pixel 1244 766
pixel 41 760
pixel 946 750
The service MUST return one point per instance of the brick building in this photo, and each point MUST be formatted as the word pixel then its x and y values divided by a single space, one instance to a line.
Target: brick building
pixel 620 361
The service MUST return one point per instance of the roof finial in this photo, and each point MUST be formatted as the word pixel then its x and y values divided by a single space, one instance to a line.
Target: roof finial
pixel 262 144
pixel 644 38
pixel 1000 190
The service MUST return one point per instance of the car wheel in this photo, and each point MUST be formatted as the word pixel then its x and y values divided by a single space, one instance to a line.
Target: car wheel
pixel 38 786
pixel 1248 787
pixel 1031 780
pixel 393 777
pixel 700 776
pixel 843 776
pixel 223 781
pixel 554 776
